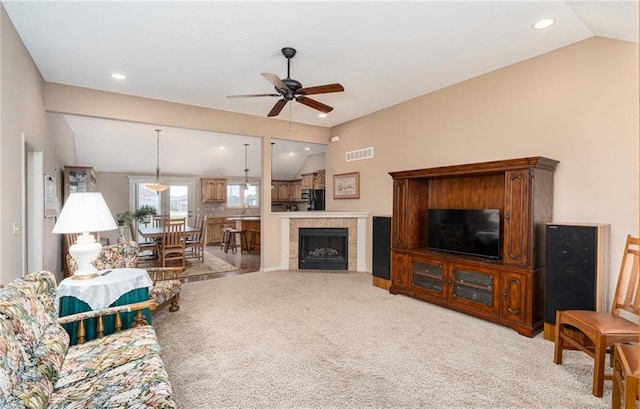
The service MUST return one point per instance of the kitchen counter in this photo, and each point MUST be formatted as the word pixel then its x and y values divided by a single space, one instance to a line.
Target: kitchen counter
pixel 251 225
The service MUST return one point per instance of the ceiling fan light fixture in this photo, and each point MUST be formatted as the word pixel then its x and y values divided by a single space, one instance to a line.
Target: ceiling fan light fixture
pixel 289 89
pixel 157 186
pixel 322 115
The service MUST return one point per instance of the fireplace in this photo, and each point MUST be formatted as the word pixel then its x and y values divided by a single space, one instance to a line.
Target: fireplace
pixel 323 248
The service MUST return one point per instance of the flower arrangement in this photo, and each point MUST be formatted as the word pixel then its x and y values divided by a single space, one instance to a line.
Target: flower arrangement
pixel 142 214
pixel 123 217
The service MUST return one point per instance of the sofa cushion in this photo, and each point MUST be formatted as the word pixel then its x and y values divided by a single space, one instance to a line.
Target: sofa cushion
pixel 21 383
pixel 44 283
pixel 26 303
pixel 123 369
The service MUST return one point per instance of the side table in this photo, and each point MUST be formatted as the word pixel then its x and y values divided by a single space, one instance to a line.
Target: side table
pixel 118 286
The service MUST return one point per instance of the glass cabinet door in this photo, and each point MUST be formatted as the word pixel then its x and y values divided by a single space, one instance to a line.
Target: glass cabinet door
pixel 79 179
pixel 428 275
pixel 474 284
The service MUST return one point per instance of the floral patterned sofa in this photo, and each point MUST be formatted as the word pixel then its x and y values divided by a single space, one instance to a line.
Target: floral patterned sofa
pixel 166 284
pixel 38 368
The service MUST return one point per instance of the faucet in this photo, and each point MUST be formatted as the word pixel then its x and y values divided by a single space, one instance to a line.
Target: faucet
pixel 246 205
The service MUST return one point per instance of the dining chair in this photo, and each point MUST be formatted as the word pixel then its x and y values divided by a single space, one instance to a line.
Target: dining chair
pixel 601 330
pixel 171 246
pixel 147 247
pixel 157 219
pixel 195 243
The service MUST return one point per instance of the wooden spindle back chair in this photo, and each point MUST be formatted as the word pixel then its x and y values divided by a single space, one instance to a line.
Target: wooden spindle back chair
pixel 172 245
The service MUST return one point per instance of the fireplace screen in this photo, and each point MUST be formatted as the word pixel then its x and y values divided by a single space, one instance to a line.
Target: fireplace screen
pixel 323 248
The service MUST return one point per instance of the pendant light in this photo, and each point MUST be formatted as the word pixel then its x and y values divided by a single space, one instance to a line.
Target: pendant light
pixel 157 187
pixel 247 185
pixel 273 186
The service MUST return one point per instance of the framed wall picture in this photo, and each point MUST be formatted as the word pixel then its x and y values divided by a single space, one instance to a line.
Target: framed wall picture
pixel 346 186
pixel 50 196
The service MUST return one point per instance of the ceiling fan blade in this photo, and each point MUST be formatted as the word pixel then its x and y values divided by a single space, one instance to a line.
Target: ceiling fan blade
pixel 277 107
pixel 277 82
pixel 252 95
pixel 321 89
pixel 312 103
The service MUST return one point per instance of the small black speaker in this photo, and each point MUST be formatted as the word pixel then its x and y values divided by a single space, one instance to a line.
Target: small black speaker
pixel 381 247
pixel 575 268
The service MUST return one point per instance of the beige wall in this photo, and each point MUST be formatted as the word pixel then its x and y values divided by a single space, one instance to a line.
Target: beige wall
pixel 22 111
pixel 578 105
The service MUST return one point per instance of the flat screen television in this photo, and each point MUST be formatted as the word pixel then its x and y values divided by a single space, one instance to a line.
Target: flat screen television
pixel 474 232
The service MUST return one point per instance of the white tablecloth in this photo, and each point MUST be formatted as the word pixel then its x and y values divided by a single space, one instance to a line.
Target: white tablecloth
pixel 102 291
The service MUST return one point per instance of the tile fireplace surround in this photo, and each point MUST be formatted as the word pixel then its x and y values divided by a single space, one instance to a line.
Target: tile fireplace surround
pixel 356 222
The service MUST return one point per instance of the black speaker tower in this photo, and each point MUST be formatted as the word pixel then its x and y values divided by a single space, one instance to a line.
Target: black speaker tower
pixel 381 247
pixel 577 266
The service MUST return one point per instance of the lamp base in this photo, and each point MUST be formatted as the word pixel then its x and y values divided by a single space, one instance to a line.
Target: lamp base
pixel 85 250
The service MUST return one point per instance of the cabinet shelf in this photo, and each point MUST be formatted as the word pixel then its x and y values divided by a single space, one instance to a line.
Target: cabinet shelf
pixel 462 283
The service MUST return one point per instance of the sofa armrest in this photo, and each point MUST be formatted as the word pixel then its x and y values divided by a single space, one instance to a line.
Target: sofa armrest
pixel 99 314
pixel 164 273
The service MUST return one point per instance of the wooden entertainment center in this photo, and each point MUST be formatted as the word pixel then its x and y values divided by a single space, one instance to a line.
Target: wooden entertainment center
pixel 508 291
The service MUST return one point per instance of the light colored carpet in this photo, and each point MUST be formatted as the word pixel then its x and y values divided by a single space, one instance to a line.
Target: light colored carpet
pixel 324 340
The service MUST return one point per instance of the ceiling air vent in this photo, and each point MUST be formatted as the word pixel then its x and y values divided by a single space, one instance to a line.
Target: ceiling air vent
pixel 366 153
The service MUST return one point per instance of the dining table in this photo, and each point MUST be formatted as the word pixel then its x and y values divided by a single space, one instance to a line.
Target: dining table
pixel 151 232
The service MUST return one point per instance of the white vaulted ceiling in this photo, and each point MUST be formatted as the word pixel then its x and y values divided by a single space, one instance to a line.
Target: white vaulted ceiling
pixel 197 53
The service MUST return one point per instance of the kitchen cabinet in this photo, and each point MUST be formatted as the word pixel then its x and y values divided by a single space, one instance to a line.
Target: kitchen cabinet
pixel 281 190
pixel 79 179
pixel 508 291
pixel 214 229
pixel 295 190
pixel 320 179
pixel 213 190
pixel 308 181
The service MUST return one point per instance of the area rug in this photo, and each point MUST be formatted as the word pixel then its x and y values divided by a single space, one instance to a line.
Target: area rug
pixel 212 264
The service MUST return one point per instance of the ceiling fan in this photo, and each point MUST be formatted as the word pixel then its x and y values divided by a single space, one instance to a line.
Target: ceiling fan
pixel 289 89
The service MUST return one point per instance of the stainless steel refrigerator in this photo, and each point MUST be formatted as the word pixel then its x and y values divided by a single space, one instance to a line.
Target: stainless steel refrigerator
pixel 315 199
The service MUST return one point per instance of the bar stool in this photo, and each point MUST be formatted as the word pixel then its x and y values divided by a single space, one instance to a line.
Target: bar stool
pixel 232 242
pixel 225 237
pixel 255 233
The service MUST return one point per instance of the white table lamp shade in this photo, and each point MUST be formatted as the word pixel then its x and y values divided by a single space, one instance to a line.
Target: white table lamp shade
pixel 83 213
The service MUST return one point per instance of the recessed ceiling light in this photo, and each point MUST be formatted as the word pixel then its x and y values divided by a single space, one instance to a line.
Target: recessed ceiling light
pixel 544 23
pixel 307 149
pixel 290 153
pixel 117 76
pixel 322 115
